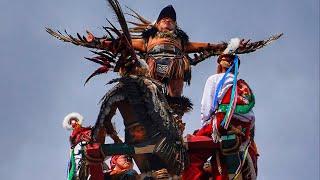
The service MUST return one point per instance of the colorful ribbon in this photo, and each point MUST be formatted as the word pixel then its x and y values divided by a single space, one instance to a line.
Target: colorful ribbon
pixel 226 121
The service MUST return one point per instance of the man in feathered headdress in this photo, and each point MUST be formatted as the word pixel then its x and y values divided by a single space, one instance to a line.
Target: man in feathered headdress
pixel 165 47
pixel 162 45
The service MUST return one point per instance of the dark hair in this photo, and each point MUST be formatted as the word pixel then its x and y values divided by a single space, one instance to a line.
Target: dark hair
pixel 169 12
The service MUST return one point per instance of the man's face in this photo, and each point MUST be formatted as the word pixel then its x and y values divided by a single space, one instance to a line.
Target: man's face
pixel 226 58
pixel 124 163
pixel 74 122
pixel 166 24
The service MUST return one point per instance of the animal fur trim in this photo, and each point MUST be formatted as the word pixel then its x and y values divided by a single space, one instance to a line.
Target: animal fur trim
pixel 66 121
pixel 180 105
pixel 151 32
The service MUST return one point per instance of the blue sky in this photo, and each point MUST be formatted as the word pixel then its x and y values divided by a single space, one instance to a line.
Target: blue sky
pixel 42 78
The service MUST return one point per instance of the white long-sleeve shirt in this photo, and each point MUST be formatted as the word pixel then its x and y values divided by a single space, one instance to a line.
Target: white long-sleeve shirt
pixel 207 106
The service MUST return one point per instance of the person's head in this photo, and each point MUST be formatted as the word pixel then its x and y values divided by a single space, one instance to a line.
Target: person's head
pixel 224 62
pixel 167 19
pixel 166 24
pixel 72 120
pixel 121 162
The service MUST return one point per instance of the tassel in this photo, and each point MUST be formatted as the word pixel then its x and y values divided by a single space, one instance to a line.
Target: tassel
pixel 152 67
pixel 215 133
pixel 238 171
pixel 176 69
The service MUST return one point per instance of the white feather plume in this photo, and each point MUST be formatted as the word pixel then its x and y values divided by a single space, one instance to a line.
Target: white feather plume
pixel 233 45
pixel 66 121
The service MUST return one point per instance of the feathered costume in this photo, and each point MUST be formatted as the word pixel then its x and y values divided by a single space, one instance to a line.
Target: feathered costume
pixel 168 54
pixel 228 118
pixel 144 51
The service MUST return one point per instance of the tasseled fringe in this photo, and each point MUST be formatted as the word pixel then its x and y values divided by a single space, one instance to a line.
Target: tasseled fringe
pixel 178 68
pixel 187 70
pixel 237 173
pixel 215 133
pixel 152 67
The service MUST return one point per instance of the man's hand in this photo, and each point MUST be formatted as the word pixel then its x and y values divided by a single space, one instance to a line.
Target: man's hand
pixel 90 37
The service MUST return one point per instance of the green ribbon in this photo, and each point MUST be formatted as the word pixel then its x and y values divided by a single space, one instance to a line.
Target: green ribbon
pixel 73 166
pixel 240 109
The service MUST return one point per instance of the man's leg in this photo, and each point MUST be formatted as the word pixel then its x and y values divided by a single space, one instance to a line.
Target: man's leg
pixel 175 87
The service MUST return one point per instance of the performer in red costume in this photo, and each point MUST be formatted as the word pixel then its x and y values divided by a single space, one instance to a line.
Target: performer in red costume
pixel 166 49
pixel 121 168
pixel 228 119
pixel 163 46
pixel 73 121
pixel 81 150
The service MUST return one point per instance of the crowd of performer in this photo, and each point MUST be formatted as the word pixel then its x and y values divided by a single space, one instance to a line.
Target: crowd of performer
pixel 224 147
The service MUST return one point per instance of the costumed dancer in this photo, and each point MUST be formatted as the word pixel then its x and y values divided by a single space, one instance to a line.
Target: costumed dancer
pixel 165 48
pixel 84 158
pixel 163 45
pixel 227 117
pixel 121 168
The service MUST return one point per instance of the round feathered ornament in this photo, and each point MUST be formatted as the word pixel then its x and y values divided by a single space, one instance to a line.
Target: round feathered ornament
pixel 67 120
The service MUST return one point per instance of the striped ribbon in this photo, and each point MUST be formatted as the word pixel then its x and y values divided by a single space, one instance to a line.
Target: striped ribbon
pixel 219 87
pixel 233 100
pixel 244 157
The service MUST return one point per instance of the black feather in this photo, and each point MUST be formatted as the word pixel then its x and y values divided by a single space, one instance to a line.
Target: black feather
pixel 120 16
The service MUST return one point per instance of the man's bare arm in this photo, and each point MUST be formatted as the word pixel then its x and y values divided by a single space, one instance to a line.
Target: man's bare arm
pixel 194 47
pixel 137 44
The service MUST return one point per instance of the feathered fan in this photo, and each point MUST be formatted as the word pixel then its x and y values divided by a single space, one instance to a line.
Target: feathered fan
pixel 246 48
pixel 120 55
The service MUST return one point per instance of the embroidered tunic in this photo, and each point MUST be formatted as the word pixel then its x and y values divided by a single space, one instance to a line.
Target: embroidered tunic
pixel 166 57
pixel 245 99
